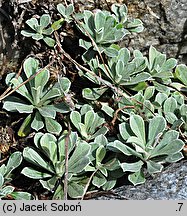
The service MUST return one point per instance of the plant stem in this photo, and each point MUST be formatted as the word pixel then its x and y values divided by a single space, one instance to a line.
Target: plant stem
pixel 66 163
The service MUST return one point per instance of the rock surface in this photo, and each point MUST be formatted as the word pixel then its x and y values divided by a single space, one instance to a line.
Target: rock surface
pixel 165 23
pixel 171 184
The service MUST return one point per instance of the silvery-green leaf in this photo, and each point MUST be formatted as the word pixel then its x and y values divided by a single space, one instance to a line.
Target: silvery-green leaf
pixel 178 97
pixel 33 23
pixel 100 154
pixel 49 184
pixel 49 146
pixel 89 119
pixel 24 108
pixel 170 105
pixel 109 184
pixel 59 193
pixel 153 167
pixel 108 110
pixel 99 179
pixel 51 94
pixel 19 195
pixel 140 63
pixel 125 131
pixel 169 149
pixel 138 128
pixel 36 94
pixel 37 138
pixel 72 142
pixel 34 174
pixel 164 75
pixel 99 20
pixel 102 131
pixel 33 157
pixel 94 93
pixel 60 107
pixel 6 191
pixel 161 97
pixel 126 150
pixel 21 90
pixel 14 161
pixel 103 170
pixel 144 76
pixel 112 165
pixel 137 178
pixel 183 111
pixel 3 169
pixel 101 140
pixel 30 66
pixel 37 36
pixel 148 108
pixel 45 19
pixel 85 44
pixel 99 36
pixel 64 84
pixel 69 10
pixel 149 92
pixel 75 119
pixel 159 61
pixel 132 167
pixel 139 145
pixel 181 72
pixel 37 122
pixel 134 23
pixel 171 117
pixel 27 33
pixel 83 131
pixel 167 140
pixel 85 108
pixel 49 41
pixel 50 149
pixel 48 31
pixel 80 158
pixel 161 87
pixel 156 126
pixel 96 123
pixel 1 180
pixel 61 9
pixel 174 158
pixel 124 55
pixel 47 137
pixel 9 77
pixel 137 54
pixel 119 68
pixel 53 126
pixel 168 137
pixel 111 52
pixel 46 111
pixel 13 104
pixel 41 79
pixel 169 65
pixel 75 189
pixel 120 12
pixel 152 55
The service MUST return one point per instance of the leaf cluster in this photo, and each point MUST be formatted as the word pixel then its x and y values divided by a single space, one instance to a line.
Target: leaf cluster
pixel 131 120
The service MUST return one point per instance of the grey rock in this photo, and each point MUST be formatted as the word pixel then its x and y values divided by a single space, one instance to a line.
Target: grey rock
pixel 171 184
pixel 165 23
